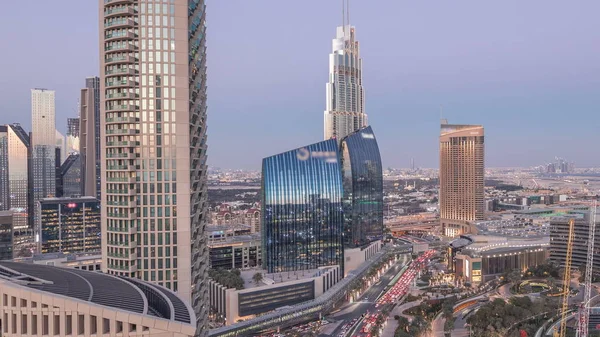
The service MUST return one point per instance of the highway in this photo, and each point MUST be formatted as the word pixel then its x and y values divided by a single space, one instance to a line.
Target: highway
pixel 366 303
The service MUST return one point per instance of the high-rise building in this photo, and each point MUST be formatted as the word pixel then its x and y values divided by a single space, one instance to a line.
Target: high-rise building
pixel 345 102
pixel 559 235
pixel 6 235
pixel 90 161
pixel 461 177
pixel 72 135
pixel 363 188
pixel 70 176
pixel 15 180
pixel 89 141
pixel 303 219
pixel 43 143
pixel 69 225
pixel 153 121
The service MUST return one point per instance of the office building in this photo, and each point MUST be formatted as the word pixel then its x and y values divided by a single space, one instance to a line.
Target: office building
pixel 233 247
pixel 43 143
pixel 363 189
pixel 559 235
pixel 6 235
pixel 15 180
pixel 37 302
pixel 345 97
pixel 461 177
pixel 69 225
pixel 89 141
pixel 72 135
pixel 153 121
pixel 70 176
pixel 302 208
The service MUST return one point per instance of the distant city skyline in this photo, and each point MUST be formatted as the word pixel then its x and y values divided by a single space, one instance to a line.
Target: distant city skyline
pixel 534 87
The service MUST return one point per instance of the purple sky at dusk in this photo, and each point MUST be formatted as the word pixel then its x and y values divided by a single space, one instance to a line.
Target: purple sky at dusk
pixel 529 71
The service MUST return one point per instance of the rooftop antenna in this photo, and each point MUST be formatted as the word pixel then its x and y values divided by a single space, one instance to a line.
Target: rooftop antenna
pixel 348 13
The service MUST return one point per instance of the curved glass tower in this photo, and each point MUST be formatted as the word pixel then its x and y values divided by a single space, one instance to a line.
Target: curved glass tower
pixel 363 188
pixel 302 208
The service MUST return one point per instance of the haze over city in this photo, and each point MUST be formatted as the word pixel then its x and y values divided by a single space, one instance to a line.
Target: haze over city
pixel 527 71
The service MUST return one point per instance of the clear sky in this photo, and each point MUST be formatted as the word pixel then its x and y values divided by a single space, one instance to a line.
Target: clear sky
pixel 529 71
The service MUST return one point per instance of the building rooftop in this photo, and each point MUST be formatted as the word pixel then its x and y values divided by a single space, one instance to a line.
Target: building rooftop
pixel 120 293
pixel 68 199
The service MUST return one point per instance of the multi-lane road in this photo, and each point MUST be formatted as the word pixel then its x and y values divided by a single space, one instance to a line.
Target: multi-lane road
pixel 365 303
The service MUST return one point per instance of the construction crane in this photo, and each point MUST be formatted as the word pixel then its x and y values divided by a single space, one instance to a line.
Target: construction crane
pixel 584 309
pixel 566 281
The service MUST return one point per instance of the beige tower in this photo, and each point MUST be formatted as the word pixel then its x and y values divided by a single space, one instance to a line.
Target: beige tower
pixel 153 145
pixel 461 178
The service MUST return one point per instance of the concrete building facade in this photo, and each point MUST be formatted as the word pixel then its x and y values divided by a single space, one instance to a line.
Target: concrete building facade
pixel 43 143
pixel 153 152
pixel 461 178
pixel 35 302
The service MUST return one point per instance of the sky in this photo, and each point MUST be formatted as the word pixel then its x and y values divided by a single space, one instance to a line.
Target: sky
pixel 528 71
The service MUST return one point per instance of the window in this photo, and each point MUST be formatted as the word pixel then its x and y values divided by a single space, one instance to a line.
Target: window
pixel 45 324
pixel 93 325
pixel 105 325
pixel 34 319
pixel 56 325
pixel 24 324
pixel 69 325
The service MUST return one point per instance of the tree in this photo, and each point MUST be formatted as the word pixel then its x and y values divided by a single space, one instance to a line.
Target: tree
pixel 514 276
pixel 257 278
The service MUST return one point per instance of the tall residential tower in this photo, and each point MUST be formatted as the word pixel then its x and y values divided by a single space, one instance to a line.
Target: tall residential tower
pixel 461 177
pixel 153 144
pixel 345 106
pixel 43 143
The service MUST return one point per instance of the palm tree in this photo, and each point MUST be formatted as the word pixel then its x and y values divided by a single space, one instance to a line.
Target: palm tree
pixel 257 278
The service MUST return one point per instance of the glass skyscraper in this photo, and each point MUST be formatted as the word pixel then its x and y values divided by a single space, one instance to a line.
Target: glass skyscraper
pixel 302 208
pixel 15 182
pixel 363 188
pixel 153 153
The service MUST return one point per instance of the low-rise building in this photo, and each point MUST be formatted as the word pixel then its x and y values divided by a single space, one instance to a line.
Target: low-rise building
pixel 6 235
pixel 236 252
pixel 272 292
pixel 39 300
pixel 84 261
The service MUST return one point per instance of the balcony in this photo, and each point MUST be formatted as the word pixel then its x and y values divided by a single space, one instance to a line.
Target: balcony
pixel 120 95
pixel 121 84
pixel 130 191
pixel 128 230
pixel 119 168
pixel 120 119
pixel 125 59
pixel 117 2
pixel 118 243
pixel 115 11
pixel 117 203
pixel 119 23
pixel 126 132
pixel 119 71
pixel 131 268
pixel 118 35
pixel 128 216
pixel 121 155
pixel 122 107
pixel 128 180
pixel 123 144
pixel 125 47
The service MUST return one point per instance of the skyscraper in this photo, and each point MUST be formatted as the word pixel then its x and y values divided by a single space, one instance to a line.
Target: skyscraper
pixel 89 142
pixel 363 188
pixel 461 177
pixel 153 117
pixel 303 219
pixel 15 183
pixel 72 135
pixel 43 143
pixel 345 108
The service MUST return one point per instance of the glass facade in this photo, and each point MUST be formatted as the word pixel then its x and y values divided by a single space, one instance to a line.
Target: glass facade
pixel 70 172
pixel 69 225
pixel 363 189
pixel 6 236
pixel 302 208
pixel 15 192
